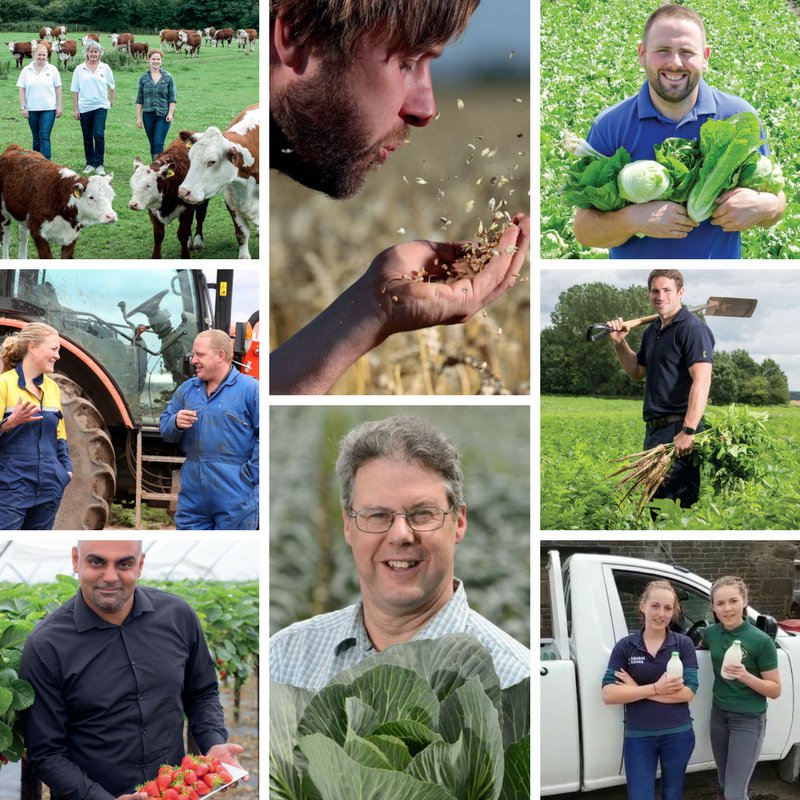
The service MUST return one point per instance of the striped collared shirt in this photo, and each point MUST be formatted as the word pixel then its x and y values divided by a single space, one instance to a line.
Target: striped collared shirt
pixel 309 653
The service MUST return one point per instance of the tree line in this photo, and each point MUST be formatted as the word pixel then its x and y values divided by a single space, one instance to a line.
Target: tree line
pixel 144 16
pixel 570 365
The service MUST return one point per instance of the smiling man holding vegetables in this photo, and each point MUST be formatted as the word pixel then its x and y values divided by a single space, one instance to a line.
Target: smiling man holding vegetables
pixel 673 102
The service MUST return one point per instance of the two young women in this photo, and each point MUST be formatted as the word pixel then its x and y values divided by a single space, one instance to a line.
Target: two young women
pixel 658 725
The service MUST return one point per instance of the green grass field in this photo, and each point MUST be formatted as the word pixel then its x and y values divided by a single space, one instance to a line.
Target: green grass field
pixel 212 90
pixel 580 436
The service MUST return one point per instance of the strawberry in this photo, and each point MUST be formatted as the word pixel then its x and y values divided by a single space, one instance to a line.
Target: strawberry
pixel 215 764
pixel 201 788
pixel 212 780
pixel 151 788
pixel 170 794
pixel 201 769
pixel 164 780
pixel 188 762
pixel 164 768
pixel 190 777
pixel 177 777
pixel 225 775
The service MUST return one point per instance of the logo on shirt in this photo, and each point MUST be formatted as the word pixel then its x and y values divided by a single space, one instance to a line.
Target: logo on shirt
pixel 636 660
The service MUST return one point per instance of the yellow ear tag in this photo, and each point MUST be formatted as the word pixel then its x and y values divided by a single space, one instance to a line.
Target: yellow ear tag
pixel 189 144
pixel 76 193
pixel 170 173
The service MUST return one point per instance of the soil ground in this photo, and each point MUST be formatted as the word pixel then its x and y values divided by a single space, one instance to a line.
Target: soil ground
pixel 765 785
pixel 245 733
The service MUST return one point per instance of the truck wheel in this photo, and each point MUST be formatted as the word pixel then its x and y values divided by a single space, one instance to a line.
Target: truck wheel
pixel 87 500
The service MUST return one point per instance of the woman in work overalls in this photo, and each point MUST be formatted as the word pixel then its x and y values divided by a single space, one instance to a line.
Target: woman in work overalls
pixel 35 466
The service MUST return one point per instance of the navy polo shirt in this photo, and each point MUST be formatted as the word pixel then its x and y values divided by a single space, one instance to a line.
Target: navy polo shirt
pixel 648 717
pixel 667 356
pixel 637 125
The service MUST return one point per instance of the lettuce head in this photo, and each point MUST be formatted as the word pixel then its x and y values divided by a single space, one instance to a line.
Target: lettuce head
pixel 643 181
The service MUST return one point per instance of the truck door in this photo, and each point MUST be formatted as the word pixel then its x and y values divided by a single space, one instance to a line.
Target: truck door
pixel 560 745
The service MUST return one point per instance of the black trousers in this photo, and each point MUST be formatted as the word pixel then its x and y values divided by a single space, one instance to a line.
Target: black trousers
pixel 683 483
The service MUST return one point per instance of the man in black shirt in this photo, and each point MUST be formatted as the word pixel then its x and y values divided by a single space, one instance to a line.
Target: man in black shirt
pixel 114 671
pixel 675 355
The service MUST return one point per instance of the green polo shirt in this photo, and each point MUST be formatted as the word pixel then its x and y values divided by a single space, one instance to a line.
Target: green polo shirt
pixel 759 655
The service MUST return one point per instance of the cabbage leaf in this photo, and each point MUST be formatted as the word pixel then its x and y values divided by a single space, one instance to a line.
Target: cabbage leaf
pixel 424 720
pixel 681 158
pixel 592 182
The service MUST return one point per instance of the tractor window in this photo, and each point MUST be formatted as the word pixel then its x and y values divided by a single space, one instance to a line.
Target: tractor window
pixel 137 324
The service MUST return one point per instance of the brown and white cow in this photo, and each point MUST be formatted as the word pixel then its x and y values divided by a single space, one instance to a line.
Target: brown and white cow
pixel 208 34
pixel 192 40
pixel 223 35
pixel 60 32
pixel 227 162
pixel 140 50
pixel 122 41
pixel 245 37
pixel 45 33
pixel 65 49
pixel 155 188
pixel 51 202
pixel 168 37
pixel 20 51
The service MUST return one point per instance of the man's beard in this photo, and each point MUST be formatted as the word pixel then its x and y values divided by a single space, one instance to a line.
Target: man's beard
pixel 317 138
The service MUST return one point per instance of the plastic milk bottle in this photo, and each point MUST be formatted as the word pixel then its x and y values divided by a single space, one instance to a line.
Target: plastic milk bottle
pixel 675 665
pixel 732 658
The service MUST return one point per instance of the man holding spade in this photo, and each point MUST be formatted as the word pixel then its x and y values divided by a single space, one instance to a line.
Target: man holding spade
pixel 675 360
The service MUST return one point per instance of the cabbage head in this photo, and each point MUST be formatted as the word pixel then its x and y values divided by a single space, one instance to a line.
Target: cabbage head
pixel 423 720
pixel 762 174
pixel 643 181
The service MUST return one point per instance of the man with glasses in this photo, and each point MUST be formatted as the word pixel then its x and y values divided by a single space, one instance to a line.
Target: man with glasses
pixel 404 513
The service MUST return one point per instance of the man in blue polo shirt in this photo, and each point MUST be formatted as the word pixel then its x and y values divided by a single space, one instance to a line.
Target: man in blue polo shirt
pixel 674 101
pixel 675 357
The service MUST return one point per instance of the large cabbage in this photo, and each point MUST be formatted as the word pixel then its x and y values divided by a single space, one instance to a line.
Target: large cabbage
pixel 725 144
pixel 643 181
pixel 424 720
pixel 762 174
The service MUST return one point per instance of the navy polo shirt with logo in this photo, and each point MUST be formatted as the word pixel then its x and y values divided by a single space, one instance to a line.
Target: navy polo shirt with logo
pixel 637 125
pixel 667 355
pixel 648 717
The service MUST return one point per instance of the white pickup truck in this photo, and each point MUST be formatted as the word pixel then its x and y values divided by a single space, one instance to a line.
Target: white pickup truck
pixel 594 603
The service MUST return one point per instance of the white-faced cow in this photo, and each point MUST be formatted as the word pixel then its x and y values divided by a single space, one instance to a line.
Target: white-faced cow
pixel 51 202
pixel 191 40
pixel 45 33
pixel 122 41
pixel 223 35
pixel 227 162
pixel 209 34
pixel 140 50
pixel 66 50
pixel 60 32
pixel 155 188
pixel 246 37
pixel 20 51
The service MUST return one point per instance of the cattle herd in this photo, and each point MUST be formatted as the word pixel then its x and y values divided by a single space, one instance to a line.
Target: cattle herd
pixel 53 203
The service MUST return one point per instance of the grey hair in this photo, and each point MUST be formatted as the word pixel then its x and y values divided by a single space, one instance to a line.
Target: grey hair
pixel 402 438
pixel 93 45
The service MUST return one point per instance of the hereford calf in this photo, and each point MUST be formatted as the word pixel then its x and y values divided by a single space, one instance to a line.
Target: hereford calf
pixel 51 202
pixel 227 162
pixel 209 34
pixel 66 50
pixel 223 35
pixel 245 37
pixel 60 32
pixel 192 40
pixel 20 51
pixel 140 50
pixel 155 188
pixel 46 33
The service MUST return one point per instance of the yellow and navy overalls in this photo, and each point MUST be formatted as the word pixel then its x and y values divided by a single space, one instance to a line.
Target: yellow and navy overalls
pixel 34 456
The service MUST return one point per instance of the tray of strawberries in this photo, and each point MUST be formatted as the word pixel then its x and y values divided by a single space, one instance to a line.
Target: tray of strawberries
pixel 195 777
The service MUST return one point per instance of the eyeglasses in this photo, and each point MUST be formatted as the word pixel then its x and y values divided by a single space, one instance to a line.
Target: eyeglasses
pixel 423 519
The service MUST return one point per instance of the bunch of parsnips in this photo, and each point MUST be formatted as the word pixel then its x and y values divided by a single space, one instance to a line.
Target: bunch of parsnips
pixel 646 471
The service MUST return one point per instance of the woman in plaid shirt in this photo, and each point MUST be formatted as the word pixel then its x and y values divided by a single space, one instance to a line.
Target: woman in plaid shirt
pixel 155 103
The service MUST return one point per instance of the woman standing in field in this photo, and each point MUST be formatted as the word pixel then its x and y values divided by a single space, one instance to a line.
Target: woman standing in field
pixel 93 94
pixel 40 97
pixel 35 466
pixel 658 727
pixel 739 707
pixel 155 103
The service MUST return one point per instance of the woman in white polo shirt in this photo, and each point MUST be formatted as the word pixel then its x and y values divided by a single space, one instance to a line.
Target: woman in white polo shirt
pixel 93 94
pixel 40 97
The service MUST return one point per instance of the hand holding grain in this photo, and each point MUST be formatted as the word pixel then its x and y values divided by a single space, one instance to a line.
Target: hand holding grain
pixel 422 284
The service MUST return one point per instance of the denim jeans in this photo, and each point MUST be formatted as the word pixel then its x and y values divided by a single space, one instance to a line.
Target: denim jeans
pixel 642 754
pixel 93 125
pixel 736 741
pixel 41 123
pixel 156 129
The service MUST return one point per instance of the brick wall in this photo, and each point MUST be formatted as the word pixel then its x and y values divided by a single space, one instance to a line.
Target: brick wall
pixel 767 567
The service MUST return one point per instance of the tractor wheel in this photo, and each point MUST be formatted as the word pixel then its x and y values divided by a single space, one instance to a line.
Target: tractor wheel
pixel 87 500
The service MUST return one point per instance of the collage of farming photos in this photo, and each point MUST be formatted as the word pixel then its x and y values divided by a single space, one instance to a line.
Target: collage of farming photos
pixel 436 170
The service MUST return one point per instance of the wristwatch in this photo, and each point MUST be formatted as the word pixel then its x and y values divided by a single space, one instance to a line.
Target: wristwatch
pixel 689 431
